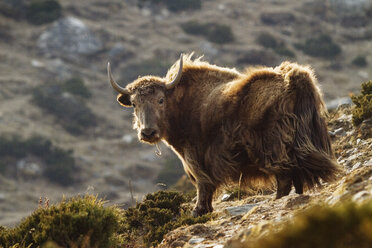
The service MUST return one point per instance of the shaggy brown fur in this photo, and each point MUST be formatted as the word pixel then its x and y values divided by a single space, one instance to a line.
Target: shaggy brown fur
pixel 262 123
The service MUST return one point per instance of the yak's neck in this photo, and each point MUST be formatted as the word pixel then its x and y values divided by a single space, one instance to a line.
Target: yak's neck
pixel 184 127
pixel 184 111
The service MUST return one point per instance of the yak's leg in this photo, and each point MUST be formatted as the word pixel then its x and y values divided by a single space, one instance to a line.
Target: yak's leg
pixel 298 184
pixel 204 199
pixel 284 182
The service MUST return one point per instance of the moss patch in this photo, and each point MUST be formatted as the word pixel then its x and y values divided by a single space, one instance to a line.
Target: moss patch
pixel 60 165
pixel 214 32
pixel 66 101
pixel 363 104
pixel 43 11
pixel 360 61
pixel 179 5
pixel 269 41
pixel 78 222
pixel 347 225
pixel 321 46
pixel 158 214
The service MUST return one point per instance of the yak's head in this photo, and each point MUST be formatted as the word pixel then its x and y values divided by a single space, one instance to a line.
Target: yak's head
pixel 148 96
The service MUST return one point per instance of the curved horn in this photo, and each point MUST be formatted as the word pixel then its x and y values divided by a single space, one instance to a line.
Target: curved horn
pixel 178 77
pixel 115 85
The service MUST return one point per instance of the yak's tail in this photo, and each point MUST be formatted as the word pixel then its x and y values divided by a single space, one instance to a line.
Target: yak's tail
pixel 312 144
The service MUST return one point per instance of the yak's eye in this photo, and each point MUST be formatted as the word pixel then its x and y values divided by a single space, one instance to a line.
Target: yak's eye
pixel 134 105
pixel 161 101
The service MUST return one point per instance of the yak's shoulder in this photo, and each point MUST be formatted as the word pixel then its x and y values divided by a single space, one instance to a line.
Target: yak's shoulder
pixel 253 77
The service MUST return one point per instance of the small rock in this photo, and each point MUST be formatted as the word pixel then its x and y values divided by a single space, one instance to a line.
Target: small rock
pixel 146 12
pixel 299 200
pixel 218 246
pixel 37 63
pixel 356 166
pixel 225 197
pixel 333 199
pixel 368 163
pixel 28 169
pixel 339 131
pixel 2 197
pixel 128 139
pixel 193 241
pixel 363 74
pixel 240 210
pixel 354 156
pixel 221 7
pixel 59 67
pixel 360 195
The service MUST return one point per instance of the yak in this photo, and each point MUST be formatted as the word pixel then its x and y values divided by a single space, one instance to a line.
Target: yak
pixel 257 125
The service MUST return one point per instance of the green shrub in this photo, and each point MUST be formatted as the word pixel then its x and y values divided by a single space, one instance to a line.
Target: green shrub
pixel 12 8
pixel 171 172
pixel 76 86
pixel 69 109
pixel 277 18
pixel 158 214
pixel 5 34
pixel 348 225
pixel 269 41
pixel 321 46
pixel 78 222
pixel 214 32
pixel 86 222
pixel 178 5
pixel 59 164
pixel 363 104
pixel 360 61
pixel 43 11
pixel 284 51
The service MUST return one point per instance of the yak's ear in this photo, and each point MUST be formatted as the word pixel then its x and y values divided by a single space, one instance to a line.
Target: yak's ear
pixel 124 99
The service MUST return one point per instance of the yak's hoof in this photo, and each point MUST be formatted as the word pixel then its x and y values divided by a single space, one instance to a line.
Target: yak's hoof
pixel 199 212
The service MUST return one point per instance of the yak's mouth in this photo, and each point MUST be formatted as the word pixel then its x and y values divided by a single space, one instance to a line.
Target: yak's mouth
pixel 150 139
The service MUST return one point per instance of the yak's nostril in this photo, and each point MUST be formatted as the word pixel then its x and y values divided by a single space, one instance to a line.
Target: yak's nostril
pixel 148 132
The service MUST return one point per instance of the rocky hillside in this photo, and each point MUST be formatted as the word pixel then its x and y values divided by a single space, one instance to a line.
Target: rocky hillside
pixel 61 131
pixel 239 223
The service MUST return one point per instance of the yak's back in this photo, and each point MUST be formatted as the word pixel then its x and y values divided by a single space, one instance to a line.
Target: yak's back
pixel 303 82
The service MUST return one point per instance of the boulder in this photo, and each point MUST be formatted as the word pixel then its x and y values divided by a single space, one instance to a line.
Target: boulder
pixel 350 7
pixel 69 37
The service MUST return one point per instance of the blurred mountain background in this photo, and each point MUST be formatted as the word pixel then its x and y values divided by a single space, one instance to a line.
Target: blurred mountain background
pixel 61 130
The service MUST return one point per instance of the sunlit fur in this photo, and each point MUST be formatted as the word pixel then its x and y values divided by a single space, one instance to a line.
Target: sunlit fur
pixel 263 123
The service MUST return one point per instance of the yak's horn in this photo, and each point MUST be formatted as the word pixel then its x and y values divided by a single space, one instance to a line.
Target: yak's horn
pixel 178 77
pixel 114 84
